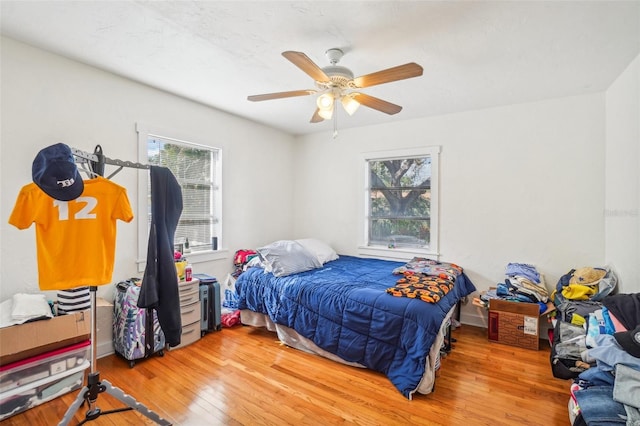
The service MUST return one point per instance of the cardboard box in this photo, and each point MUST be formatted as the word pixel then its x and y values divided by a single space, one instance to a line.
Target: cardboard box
pixel 33 338
pixel 514 323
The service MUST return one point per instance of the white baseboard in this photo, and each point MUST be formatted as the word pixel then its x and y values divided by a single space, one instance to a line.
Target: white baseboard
pixel 104 348
pixel 474 315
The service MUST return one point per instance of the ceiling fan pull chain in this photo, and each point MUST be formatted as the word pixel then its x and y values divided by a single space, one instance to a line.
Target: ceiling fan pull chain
pixel 335 122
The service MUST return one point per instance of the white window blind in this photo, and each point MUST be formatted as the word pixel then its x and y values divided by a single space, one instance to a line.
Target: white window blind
pixel 193 166
pixel 198 170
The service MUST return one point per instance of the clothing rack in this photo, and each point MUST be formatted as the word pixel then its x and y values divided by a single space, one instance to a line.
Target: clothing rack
pixel 95 162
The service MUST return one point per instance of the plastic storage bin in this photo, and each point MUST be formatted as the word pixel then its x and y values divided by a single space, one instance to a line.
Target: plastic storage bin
pixel 33 381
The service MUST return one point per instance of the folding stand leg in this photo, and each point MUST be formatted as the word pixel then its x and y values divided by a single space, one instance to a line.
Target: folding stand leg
pixel 95 387
pixel 94 413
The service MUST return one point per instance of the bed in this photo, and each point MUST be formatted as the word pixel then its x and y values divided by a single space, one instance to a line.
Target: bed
pixel 341 310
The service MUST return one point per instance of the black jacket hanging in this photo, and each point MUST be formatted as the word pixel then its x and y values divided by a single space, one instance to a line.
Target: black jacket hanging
pixel 160 282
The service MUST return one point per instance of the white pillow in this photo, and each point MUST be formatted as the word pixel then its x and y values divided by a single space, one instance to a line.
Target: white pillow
pixel 286 257
pixel 322 250
pixel 30 306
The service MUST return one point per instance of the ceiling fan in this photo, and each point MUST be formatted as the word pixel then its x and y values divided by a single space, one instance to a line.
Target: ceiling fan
pixel 336 83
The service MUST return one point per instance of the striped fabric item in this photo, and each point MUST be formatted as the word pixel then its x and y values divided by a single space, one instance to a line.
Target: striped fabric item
pixel 74 299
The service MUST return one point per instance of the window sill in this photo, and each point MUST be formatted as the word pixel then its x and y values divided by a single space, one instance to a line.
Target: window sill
pixel 207 255
pixel 196 257
pixel 402 254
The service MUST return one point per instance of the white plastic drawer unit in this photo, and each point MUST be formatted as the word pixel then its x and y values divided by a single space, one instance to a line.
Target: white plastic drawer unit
pixel 190 334
pixel 190 313
pixel 30 382
pixel 189 292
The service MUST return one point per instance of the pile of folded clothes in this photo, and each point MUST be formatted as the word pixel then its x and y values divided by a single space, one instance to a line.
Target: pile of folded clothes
pixel 522 283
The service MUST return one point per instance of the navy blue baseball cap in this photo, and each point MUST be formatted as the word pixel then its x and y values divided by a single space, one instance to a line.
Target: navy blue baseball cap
pixel 55 172
pixel 630 341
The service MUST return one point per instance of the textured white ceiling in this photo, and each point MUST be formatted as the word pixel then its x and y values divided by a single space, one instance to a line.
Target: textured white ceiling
pixel 475 54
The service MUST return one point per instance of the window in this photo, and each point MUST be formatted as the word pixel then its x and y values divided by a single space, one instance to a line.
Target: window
pixel 401 210
pixel 197 170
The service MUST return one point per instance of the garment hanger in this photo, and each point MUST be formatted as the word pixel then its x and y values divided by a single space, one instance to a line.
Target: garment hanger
pixel 94 164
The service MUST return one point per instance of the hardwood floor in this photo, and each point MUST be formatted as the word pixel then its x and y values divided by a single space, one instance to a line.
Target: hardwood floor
pixel 244 376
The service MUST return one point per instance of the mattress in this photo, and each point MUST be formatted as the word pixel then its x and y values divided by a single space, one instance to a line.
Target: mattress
pixel 343 311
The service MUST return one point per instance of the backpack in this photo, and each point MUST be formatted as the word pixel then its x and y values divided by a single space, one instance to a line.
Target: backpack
pixel 569 340
pixel 565 350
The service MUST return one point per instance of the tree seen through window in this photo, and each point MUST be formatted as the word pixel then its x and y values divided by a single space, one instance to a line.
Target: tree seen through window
pixel 400 202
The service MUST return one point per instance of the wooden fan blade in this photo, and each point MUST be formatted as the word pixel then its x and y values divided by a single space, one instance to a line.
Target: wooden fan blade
pixel 278 95
pixel 377 103
pixel 400 72
pixel 303 62
pixel 316 117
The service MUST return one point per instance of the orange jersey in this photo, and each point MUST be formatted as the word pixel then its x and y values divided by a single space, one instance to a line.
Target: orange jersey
pixel 75 239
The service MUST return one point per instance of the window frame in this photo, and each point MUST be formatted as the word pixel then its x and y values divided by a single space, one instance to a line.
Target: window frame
pixel 144 132
pixel 380 251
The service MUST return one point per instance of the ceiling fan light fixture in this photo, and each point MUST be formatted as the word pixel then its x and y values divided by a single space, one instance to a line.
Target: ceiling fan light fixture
pixel 325 101
pixel 326 113
pixel 350 104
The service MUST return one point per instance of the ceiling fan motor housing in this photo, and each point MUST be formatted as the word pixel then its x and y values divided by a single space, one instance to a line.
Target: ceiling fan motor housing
pixel 340 76
pixel 337 72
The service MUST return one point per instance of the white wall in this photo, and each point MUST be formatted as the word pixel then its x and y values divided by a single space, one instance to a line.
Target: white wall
pixel 521 183
pixel 622 203
pixel 48 99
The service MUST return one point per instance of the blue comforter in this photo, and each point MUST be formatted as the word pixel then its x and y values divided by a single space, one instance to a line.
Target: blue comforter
pixel 344 309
